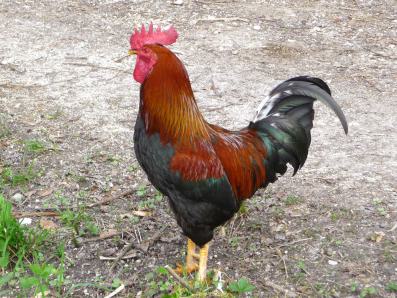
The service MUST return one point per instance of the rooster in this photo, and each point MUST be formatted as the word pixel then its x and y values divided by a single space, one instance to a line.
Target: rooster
pixel 204 170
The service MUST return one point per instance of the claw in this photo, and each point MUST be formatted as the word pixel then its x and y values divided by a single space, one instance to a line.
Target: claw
pixel 202 273
pixel 181 270
pixel 191 264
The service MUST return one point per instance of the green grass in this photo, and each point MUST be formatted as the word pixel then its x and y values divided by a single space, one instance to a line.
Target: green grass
pixel 392 286
pixel 79 222
pixel 13 244
pixel 133 168
pixel 101 156
pixel 354 287
pixel 149 203
pixel 142 191
pixel 363 292
pixel 277 212
pixel 20 177
pixel 240 286
pixel 54 116
pixel 292 200
pixel 43 277
pixel 380 207
pixel 34 146
pixel 32 260
pixel 22 263
pixel 368 292
pixel 339 214
pixel 4 129
pixel 234 241
pixel 244 209
pixel 160 283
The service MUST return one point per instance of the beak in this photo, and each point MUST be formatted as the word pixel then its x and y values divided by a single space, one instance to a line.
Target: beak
pixel 132 52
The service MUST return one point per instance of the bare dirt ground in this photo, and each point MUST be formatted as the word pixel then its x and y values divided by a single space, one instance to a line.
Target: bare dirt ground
pixel 330 227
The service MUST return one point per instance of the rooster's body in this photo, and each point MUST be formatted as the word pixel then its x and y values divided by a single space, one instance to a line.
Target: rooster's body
pixel 204 170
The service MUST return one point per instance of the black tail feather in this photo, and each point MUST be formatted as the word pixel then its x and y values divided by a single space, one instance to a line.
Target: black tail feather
pixel 285 118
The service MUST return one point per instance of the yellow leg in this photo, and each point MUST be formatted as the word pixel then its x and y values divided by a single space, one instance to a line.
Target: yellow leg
pixel 202 273
pixel 191 264
pixel 191 253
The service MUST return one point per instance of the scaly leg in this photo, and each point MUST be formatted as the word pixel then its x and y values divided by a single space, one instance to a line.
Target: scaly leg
pixel 202 273
pixel 191 265
pixel 191 254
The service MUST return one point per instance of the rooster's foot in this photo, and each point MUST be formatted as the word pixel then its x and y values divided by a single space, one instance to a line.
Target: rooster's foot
pixel 189 268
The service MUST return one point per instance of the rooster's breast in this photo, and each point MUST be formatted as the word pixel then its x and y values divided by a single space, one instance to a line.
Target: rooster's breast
pixel 153 157
pixel 199 205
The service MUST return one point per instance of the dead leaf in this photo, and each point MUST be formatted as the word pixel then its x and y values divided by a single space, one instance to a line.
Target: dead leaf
pixel 47 224
pixel 45 192
pixel 393 228
pixel 126 215
pixel 108 252
pixel 29 193
pixel 144 245
pixel 35 214
pixel 377 237
pixel 40 295
pixel 108 233
pixel 131 255
pixel 141 213
pixel 103 235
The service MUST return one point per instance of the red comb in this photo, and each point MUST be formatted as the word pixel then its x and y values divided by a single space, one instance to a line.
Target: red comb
pixel 139 39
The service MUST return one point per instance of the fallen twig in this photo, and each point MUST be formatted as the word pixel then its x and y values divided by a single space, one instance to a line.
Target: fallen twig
pixel 115 292
pixel 285 265
pixel 129 282
pixel 141 246
pixel 122 254
pixel 221 107
pixel 107 200
pixel 35 214
pixel 95 66
pixel 108 234
pixel 50 212
pixel 121 58
pixel 270 284
pixel 130 256
pixel 393 228
pixel 293 242
pixel 179 279
pixel 222 20
pixel 215 89
pixel 145 245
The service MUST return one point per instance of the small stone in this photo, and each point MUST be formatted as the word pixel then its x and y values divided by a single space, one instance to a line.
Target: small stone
pixel 109 252
pixel 25 221
pixel 332 263
pixel 257 27
pixel 178 2
pixel 267 241
pixel 280 237
pixel 17 197
pixel 329 252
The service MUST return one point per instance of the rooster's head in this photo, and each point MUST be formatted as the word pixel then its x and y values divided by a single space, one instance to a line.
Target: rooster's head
pixel 146 58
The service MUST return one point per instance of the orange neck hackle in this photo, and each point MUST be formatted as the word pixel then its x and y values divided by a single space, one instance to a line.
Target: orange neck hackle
pixel 167 103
